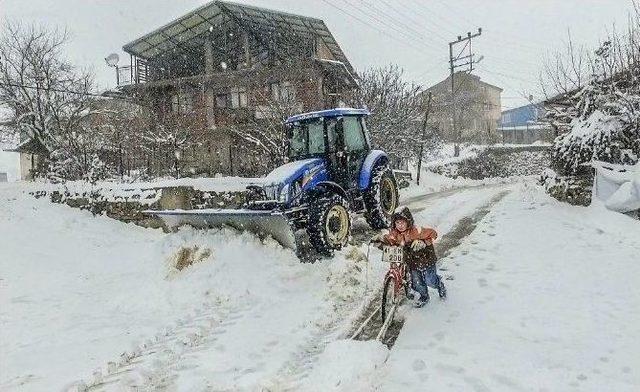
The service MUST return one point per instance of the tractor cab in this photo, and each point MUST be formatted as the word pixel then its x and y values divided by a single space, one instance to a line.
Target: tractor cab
pixel 339 136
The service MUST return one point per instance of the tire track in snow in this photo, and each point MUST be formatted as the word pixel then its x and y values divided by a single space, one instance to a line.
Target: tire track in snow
pixel 152 365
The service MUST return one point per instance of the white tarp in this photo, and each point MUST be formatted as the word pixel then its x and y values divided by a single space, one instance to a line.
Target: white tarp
pixel 617 186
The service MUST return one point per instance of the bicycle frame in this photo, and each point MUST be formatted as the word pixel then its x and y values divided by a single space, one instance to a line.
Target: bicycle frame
pixel 398 272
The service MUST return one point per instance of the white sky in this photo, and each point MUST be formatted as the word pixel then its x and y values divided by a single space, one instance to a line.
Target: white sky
pixel 411 33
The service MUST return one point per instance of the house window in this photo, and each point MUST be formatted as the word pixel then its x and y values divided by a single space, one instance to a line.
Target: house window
pixel 238 97
pixel 223 101
pixel 287 92
pixel 182 102
pixel 275 91
pixel 283 92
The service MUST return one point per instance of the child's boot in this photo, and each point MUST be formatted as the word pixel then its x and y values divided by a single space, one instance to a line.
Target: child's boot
pixel 442 291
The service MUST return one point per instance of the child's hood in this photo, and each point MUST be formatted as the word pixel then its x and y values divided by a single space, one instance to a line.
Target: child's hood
pixel 402 212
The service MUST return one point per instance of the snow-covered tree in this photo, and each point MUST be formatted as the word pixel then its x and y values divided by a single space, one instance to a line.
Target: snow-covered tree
pixel 45 97
pixel 602 116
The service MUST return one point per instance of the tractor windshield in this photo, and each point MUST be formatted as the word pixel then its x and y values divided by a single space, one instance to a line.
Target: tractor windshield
pixel 306 138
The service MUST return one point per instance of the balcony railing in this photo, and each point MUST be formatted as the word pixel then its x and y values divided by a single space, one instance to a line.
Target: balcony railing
pixel 132 74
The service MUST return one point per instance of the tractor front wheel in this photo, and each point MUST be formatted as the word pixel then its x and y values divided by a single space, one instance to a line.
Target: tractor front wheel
pixel 381 198
pixel 329 224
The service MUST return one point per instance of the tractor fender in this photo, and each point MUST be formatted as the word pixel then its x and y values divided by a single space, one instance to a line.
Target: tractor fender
pixel 328 186
pixel 373 159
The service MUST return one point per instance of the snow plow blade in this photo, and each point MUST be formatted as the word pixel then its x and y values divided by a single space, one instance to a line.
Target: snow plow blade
pixel 262 223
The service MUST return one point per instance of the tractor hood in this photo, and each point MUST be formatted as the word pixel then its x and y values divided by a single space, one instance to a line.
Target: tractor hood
pixel 291 171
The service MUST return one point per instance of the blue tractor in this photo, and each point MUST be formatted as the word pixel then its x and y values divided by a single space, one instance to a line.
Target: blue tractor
pixel 331 172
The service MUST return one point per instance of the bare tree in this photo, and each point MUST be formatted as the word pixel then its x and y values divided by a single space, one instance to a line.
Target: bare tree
pixel 45 96
pixel 263 136
pixel 397 109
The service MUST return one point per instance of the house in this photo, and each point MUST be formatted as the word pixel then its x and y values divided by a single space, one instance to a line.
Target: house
pixel 31 152
pixel 226 65
pixel 477 108
pixel 523 125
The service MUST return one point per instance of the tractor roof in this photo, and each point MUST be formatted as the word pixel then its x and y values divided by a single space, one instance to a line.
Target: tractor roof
pixel 337 112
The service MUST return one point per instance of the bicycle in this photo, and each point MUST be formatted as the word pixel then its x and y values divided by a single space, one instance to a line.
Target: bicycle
pixel 396 281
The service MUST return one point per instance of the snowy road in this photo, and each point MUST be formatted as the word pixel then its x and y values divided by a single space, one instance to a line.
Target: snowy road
pixel 545 298
pixel 81 291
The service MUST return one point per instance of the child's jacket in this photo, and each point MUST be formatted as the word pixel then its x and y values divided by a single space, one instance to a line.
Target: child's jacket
pixel 421 259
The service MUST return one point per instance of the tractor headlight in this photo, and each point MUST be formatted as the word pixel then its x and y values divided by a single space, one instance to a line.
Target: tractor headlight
pixel 284 194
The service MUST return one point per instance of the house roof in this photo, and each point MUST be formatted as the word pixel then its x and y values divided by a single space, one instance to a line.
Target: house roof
pixel 466 76
pixel 337 112
pixel 188 32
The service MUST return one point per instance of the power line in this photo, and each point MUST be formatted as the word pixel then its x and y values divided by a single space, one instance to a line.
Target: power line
pixel 376 16
pixel 507 76
pixel 371 26
pixel 419 24
pixel 51 89
pixel 444 26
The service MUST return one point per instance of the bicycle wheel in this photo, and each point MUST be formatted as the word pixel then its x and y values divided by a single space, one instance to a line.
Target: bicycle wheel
pixel 388 297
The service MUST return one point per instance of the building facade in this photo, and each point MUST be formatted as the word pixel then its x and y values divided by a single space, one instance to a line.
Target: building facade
pixel 225 67
pixel 477 108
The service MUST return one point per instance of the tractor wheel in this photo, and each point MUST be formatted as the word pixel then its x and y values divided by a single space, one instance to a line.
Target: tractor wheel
pixel 329 223
pixel 381 198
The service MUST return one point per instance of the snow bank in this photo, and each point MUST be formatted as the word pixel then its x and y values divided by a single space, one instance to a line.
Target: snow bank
pixel 346 365
pixel 617 186
pixel 219 184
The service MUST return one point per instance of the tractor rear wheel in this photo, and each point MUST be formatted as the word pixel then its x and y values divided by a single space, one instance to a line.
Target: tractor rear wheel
pixel 329 223
pixel 381 198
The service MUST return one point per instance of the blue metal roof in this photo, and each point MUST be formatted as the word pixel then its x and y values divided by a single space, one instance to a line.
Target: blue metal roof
pixel 337 112
pixel 521 116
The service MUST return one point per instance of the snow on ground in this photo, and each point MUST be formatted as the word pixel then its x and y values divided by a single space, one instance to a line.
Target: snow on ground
pixel 431 182
pixel 78 291
pixel 545 298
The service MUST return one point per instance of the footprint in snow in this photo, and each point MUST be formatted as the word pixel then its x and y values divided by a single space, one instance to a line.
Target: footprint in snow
pixel 418 365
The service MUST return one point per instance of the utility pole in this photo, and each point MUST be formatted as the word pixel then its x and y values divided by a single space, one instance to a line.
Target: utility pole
pixel 424 135
pixel 458 62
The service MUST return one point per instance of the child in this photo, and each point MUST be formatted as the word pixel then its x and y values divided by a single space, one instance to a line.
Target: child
pixel 420 255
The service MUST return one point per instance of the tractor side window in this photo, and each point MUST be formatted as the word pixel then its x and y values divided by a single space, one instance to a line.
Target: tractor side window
pixel 353 136
pixel 316 137
pixel 298 141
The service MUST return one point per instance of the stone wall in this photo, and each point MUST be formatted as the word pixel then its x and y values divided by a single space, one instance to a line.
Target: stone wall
pixel 131 207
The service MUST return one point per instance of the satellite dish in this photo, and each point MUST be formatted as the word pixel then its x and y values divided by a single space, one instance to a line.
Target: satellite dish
pixel 112 59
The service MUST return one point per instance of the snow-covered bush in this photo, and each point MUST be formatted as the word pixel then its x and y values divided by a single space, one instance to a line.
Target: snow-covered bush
pixel 574 190
pixel 605 113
